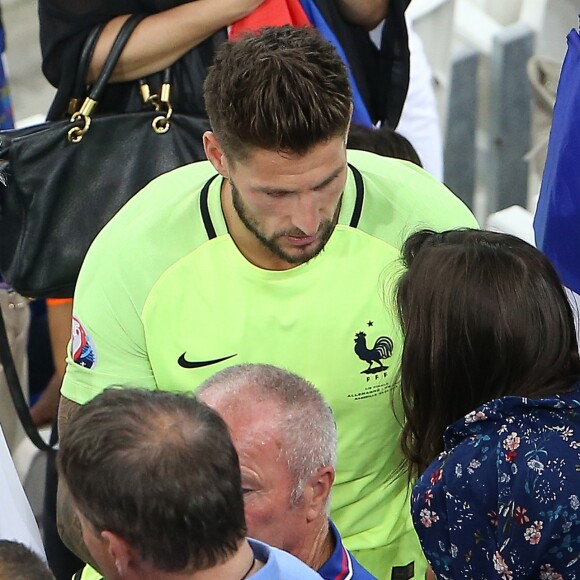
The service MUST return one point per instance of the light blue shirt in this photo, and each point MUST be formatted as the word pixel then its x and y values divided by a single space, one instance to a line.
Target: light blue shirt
pixel 279 565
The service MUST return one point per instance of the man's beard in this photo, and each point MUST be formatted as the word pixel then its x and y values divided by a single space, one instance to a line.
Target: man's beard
pixel 325 230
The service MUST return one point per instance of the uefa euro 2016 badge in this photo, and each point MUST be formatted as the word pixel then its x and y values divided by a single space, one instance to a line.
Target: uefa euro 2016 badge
pixel 83 351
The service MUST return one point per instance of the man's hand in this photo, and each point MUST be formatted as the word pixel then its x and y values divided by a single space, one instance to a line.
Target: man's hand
pixel 45 408
pixel 366 13
pixel 69 527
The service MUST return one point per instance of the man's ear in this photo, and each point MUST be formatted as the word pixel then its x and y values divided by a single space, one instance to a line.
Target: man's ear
pixel 215 154
pixel 121 553
pixel 317 492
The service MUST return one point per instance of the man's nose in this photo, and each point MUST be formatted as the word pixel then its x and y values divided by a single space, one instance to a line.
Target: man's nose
pixel 306 213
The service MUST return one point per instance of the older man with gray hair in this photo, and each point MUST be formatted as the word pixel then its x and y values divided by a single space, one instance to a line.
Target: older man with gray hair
pixel 285 436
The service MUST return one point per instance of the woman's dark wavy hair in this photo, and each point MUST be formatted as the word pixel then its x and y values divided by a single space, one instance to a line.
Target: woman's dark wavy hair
pixel 484 316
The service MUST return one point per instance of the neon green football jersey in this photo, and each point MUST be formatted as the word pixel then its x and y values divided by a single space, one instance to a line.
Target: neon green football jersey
pixel 165 299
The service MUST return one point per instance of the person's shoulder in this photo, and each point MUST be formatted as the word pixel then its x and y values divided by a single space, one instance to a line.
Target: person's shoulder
pixel 542 438
pixel 159 212
pixel 155 229
pixel 550 422
pixel 509 442
pixel 400 181
pixel 401 198
pixel 388 170
pixel 368 161
pixel 280 565
pixel 160 196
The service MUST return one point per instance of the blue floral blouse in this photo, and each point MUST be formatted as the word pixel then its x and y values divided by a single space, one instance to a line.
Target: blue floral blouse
pixel 503 500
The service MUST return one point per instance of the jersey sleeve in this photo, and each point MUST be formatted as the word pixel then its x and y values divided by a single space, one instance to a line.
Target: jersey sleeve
pixel 402 198
pixel 107 346
pixel 110 341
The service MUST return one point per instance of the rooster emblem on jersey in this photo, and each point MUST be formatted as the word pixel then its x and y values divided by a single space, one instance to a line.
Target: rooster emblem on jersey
pixel 381 350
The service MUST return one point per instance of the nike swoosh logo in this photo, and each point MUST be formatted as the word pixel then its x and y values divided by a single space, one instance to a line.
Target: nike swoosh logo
pixel 183 362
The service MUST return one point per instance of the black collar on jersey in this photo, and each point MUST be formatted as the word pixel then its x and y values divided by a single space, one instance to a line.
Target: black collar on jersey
pixel 360 195
pixel 355 218
pixel 209 229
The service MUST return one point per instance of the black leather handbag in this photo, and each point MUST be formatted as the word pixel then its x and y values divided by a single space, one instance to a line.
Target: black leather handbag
pixel 64 180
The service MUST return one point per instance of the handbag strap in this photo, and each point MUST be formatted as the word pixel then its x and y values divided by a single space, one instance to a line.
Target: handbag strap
pixel 80 82
pixel 16 393
pixel 82 118
pixel 115 53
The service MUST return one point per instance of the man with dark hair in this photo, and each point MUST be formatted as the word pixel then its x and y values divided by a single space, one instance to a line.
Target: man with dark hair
pixel 287 445
pixel 222 262
pixel 19 562
pixel 269 115
pixel 155 481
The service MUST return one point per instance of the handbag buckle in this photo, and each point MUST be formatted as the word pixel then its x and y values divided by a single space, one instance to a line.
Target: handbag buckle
pixel 161 123
pixel 76 133
pixel 148 98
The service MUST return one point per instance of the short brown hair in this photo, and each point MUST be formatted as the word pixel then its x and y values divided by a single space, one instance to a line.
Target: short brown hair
pixel 160 470
pixel 282 89
pixel 19 561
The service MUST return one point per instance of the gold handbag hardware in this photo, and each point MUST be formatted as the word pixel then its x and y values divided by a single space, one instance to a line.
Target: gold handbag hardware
pixel 161 123
pixel 148 98
pixel 76 133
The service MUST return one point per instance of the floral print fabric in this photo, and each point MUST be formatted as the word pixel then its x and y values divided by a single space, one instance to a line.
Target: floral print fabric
pixel 503 500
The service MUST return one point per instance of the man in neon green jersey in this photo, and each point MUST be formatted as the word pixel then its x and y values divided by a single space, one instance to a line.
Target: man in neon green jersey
pixel 275 251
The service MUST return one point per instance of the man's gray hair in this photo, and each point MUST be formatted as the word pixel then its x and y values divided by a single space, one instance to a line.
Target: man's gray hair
pixel 308 428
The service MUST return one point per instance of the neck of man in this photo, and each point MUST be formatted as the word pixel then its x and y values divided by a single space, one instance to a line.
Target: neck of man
pixel 242 564
pixel 318 545
pixel 249 246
